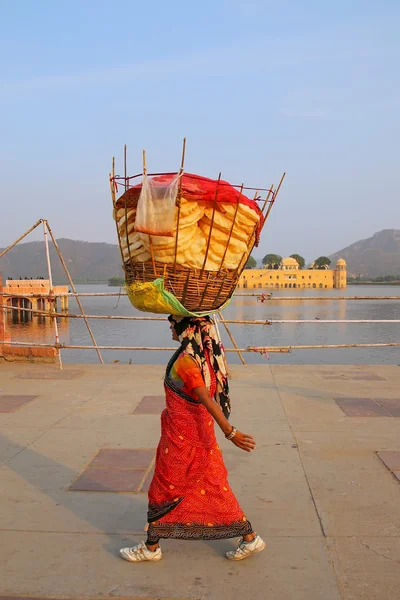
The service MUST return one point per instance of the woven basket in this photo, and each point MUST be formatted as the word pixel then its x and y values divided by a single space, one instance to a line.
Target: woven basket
pixel 196 291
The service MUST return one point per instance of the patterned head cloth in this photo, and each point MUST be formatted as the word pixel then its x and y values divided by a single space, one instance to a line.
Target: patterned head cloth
pixel 197 335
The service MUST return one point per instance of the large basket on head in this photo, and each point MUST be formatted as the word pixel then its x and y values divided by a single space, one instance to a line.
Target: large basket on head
pixel 184 240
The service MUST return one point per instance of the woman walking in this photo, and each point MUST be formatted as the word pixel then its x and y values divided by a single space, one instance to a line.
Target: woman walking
pixel 190 497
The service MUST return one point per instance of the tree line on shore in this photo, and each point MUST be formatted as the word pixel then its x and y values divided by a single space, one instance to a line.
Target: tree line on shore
pixel 365 279
pixel 274 261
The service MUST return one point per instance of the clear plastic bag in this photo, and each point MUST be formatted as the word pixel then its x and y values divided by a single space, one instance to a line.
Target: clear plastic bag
pixel 156 207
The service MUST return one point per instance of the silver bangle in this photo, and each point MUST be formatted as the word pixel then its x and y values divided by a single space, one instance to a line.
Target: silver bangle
pixel 232 434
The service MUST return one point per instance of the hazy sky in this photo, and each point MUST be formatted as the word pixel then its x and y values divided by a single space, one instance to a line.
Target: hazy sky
pixel 258 87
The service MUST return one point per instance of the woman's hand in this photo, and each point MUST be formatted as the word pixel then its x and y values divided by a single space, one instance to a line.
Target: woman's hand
pixel 241 440
pixel 244 441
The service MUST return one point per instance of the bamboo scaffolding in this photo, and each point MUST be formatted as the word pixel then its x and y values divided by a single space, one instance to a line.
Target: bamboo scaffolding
pixel 46 244
pixel 173 348
pixel 73 287
pixel 21 237
pixel 64 315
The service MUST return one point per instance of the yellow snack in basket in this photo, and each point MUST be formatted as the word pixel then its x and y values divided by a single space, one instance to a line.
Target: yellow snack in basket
pixel 222 233
pixel 195 219
pixel 190 213
pixel 140 255
pixel 186 238
pixel 224 223
pixel 231 259
pixel 133 240
pixel 244 213
pixel 192 256
pixel 165 243
pixel 219 239
pixel 129 216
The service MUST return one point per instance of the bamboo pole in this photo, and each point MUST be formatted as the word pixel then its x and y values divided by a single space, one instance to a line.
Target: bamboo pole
pixel 125 169
pixel 114 201
pixel 150 239
pixel 125 213
pixel 74 289
pixel 232 226
pixel 247 253
pixel 173 349
pixel 231 336
pixel 270 191
pixel 255 295
pixel 46 244
pixel 306 298
pixel 128 246
pixel 211 227
pixel 230 321
pixel 179 200
pixel 21 238
pixel 273 201
pixel 312 321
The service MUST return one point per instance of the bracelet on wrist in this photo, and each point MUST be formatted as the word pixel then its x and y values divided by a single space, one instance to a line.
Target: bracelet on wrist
pixel 232 434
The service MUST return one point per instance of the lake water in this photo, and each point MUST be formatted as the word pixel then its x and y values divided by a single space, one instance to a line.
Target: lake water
pixel 136 333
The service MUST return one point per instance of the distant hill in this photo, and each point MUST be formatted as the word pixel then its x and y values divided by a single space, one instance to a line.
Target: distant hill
pixel 86 261
pixel 376 256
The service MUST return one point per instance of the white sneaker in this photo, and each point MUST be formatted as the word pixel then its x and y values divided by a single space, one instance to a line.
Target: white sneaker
pixel 246 549
pixel 139 553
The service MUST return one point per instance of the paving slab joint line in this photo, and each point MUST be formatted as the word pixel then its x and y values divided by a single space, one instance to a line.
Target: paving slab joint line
pixel 328 550
pixel 47 431
pixel 301 459
pixel 382 462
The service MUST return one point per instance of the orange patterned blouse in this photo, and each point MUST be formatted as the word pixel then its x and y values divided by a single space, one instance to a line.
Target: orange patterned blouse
pixel 186 374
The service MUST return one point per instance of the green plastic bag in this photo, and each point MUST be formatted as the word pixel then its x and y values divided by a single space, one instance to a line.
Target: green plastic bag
pixel 153 297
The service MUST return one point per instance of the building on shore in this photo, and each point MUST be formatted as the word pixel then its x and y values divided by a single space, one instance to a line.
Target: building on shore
pixel 289 275
pixel 18 298
pixel 37 292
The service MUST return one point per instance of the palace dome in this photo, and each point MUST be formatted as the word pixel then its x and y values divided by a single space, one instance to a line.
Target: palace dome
pixel 289 261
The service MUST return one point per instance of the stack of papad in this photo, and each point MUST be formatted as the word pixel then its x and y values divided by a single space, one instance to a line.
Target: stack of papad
pixel 234 221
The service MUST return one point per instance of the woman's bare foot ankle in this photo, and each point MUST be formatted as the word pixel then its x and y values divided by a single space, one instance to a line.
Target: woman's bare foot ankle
pixel 152 547
pixel 249 537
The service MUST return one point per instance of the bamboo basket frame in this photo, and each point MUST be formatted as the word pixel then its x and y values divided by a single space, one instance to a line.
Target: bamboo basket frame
pixel 199 290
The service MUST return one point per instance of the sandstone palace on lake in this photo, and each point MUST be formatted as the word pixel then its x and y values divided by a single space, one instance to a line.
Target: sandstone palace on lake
pixel 289 275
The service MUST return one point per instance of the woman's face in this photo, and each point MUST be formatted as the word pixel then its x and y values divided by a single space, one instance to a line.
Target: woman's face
pixel 173 332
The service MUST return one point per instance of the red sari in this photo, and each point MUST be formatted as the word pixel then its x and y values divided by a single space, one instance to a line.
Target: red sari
pixel 190 497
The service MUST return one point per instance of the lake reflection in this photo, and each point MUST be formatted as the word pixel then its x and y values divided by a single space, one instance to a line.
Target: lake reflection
pixel 125 333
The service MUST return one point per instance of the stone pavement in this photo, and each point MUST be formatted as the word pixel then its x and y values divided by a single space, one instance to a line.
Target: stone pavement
pixel 316 488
